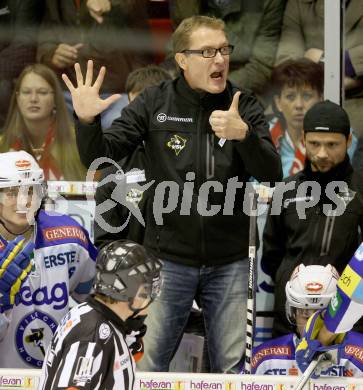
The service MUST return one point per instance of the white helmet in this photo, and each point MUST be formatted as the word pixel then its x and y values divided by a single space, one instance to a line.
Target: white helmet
pixel 310 287
pixel 18 169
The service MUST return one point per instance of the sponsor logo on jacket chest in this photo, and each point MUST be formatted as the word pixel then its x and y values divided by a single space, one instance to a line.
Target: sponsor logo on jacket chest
pixel 162 117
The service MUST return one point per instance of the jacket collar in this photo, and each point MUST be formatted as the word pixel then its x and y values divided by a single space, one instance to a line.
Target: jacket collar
pixel 341 172
pixel 204 99
pixel 107 313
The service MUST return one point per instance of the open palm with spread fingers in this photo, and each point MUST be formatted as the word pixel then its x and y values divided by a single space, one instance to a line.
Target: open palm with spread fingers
pixel 86 99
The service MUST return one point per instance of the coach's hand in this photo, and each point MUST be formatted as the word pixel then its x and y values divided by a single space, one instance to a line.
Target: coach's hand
pixel 87 103
pixel 229 124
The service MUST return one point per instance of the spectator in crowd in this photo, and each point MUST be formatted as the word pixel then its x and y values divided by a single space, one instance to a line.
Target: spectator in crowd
pixel 309 289
pixel 112 222
pixel 303 35
pixel 43 260
pixel 38 122
pixel 296 86
pixel 141 78
pixel 196 127
pixel 357 160
pixel 253 27
pixel 299 227
pixel 114 34
pixel 19 22
pixel 97 331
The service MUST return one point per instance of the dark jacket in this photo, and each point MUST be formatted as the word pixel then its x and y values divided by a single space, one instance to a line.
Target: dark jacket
pixel 173 120
pixel 19 21
pixel 112 192
pixel 289 240
pixel 119 43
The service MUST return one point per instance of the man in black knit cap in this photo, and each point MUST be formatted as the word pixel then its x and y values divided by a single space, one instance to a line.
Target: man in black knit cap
pixel 316 214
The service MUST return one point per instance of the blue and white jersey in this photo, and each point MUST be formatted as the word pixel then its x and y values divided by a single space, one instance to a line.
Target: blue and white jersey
pixel 63 264
pixel 346 307
pixel 277 357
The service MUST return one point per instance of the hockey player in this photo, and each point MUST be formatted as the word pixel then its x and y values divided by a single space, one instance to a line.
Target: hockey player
pixel 43 260
pixel 89 349
pixel 308 290
pixel 345 309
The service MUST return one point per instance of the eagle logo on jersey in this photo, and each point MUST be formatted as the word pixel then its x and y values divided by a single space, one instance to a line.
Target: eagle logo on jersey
pixel 32 335
pixel 176 143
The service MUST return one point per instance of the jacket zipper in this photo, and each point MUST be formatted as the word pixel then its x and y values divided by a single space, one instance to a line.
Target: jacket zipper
pixel 210 156
pixel 328 233
pixel 200 161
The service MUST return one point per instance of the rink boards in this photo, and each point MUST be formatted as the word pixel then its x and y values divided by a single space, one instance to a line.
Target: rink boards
pixel 28 379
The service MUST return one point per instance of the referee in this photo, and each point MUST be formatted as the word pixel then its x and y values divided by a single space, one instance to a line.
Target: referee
pixel 93 345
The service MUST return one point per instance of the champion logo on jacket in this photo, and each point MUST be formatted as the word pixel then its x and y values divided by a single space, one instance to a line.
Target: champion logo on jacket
pixel 176 143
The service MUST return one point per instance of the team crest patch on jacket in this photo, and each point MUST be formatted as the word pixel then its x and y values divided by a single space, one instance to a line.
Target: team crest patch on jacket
pixel 176 143
pixel 134 196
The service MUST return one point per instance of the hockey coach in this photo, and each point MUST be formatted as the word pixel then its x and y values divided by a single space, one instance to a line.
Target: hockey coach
pixel 204 138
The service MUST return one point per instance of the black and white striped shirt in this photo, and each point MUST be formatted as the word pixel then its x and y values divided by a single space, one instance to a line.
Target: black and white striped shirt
pixel 89 351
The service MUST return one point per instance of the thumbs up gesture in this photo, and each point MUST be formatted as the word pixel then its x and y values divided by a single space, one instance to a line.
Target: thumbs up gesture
pixel 229 124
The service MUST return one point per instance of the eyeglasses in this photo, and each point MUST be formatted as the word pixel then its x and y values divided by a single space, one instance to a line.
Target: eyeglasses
pixel 211 52
pixel 39 92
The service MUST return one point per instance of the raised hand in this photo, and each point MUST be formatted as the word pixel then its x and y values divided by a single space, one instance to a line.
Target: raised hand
pixel 65 55
pixel 86 99
pixel 229 124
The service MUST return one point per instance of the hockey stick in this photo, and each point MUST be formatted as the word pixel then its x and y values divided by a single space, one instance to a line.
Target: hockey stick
pixel 251 301
pixel 309 371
